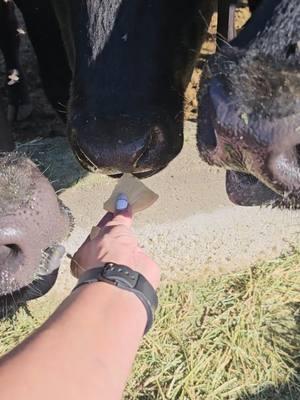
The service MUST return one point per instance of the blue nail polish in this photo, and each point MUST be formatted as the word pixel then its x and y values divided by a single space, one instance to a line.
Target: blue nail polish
pixel 122 202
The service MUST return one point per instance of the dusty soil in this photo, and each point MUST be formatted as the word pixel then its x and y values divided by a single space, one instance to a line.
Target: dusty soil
pixel 193 227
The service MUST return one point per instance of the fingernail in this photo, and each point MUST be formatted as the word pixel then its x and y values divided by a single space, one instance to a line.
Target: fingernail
pixel 121 202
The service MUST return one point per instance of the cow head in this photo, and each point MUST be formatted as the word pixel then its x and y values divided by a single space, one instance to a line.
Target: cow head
pixel 32 223
pixel 131 62
pixel 249 116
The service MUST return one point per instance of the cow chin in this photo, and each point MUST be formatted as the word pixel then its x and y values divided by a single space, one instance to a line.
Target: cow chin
pixel 246 190
pixel 141 146
pixel 12 301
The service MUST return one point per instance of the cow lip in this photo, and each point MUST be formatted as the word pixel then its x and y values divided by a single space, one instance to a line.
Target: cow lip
pixel 10 303
pixel 82 157
pixel 43 281
pixel 140 175
pixel 150 172
pixel 90 166
pixel 246 190
pixel 13 260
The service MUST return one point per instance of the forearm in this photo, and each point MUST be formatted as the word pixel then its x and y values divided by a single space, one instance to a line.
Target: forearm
pixel 85 350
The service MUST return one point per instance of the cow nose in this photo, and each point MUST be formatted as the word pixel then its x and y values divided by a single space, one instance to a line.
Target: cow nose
pixel 14 242
pixel 267 148
pixel 284 163
pixel 119 145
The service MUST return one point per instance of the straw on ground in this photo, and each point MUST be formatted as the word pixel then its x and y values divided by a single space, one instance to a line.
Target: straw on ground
pixel 230 337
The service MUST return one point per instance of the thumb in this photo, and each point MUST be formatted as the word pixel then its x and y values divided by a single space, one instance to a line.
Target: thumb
pixel 122 218
pixel 123 214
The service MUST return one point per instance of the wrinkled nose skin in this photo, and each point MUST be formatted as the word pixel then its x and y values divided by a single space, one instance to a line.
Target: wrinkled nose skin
pixel 250 146
pixel 141 145
pixel 32 224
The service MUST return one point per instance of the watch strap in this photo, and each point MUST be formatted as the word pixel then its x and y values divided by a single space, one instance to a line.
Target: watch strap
pixel 124 278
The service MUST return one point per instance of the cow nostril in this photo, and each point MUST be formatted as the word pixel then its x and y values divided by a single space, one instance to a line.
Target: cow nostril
pixel 209 138
pixel 143 153
pixel 8 253
pixel 297 148
pixel 285 167
pixel 9 249
pixel 214 104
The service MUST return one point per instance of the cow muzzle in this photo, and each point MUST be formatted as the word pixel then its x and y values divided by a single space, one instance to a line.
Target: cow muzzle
pixel 262 153
pixel 113 146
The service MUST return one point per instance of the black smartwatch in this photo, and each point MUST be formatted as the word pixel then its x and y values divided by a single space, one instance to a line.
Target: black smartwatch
pixel 124 278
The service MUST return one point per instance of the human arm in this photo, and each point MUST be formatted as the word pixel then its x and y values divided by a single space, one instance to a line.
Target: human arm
pixel 86 349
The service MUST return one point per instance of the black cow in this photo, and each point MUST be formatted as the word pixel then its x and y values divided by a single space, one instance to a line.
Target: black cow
pixel 249 115
pixel 6 138
pixel 19 105
pixel 131 62
pixel 43 30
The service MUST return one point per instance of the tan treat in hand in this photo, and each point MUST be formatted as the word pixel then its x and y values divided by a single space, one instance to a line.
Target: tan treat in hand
pixel 139 196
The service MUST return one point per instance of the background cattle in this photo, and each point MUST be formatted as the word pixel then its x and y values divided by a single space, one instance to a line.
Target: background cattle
pixel 6 138
pixel 19 105
pixel 249 108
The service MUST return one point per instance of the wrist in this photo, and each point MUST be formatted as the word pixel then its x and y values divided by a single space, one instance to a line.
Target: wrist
pixel 151 273
pixel 125 279
pixel 115 301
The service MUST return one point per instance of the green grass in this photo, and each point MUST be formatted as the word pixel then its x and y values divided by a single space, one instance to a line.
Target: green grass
pixel 231 337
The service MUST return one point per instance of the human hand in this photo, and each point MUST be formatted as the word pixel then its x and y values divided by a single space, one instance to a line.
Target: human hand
pixel 117 243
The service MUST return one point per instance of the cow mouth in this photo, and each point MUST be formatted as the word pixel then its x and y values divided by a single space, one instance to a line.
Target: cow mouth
pixel 137 169
pixel 246 190
pixel 43 281
pixel 139 175
pixel 82 158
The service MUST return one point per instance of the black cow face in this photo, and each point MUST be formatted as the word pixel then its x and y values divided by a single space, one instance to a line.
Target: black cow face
pixel 131 62
pixel 249 116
